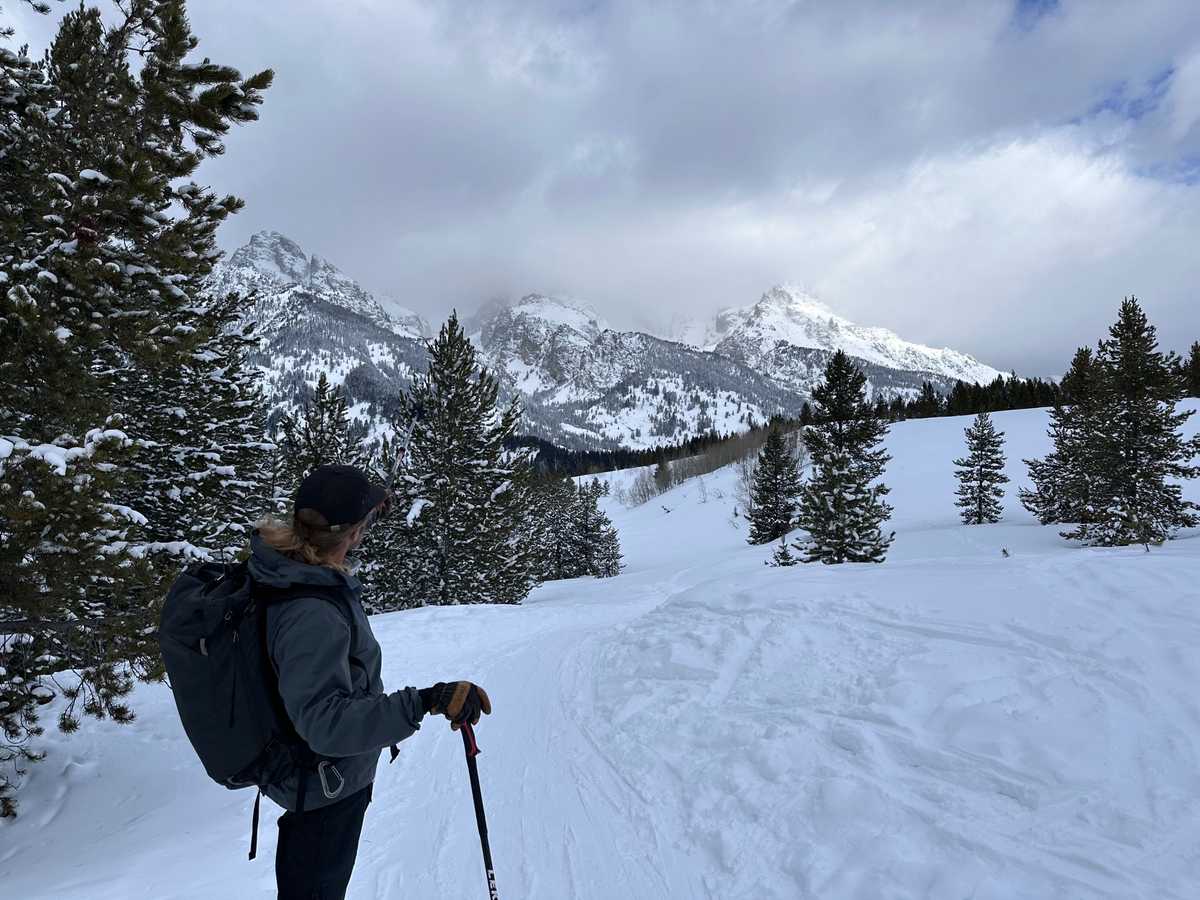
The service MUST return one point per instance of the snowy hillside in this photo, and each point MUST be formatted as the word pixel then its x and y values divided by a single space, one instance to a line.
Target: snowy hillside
pixel 953 723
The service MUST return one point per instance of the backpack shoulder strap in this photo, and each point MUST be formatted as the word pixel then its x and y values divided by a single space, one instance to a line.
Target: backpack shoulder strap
pixel 267 596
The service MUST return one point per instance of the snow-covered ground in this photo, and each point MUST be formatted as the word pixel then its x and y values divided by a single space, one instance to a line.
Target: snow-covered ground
pixel 954 723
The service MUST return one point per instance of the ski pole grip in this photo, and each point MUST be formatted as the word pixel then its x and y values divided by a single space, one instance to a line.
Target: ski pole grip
pixel 472 748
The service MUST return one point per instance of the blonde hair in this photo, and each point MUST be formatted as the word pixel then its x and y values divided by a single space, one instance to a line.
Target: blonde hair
pixel 308 538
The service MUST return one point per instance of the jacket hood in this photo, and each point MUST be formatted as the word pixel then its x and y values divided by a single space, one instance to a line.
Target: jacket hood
pixel 269 566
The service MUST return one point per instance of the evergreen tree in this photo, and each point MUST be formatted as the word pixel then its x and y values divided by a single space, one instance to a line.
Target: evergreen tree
pixel 775 495
pixel 203 473
pixel 596 546
pixel 104 243
pixel 1191 372
pixel 277 489
pixel 1063 479
pixel 553 520
pixel 573 537
pixel 385 554
pixel 783 555
pixel 928 404
pixel 1137 455
pixel 463 498
pixel 607 558
pixel 842 506
pixel 319 435
pixel 981 474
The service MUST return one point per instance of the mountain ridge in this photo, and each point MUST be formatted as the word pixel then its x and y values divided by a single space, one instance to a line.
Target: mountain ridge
pixel 581 382
pixel 789 314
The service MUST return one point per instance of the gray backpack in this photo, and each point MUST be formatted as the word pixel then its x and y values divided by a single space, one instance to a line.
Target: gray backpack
pixel 213 637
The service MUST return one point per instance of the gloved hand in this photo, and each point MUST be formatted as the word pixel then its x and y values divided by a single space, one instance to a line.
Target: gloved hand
pixel 459 701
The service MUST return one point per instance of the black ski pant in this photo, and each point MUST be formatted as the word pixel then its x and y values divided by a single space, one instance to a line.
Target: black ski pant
pixel 317 849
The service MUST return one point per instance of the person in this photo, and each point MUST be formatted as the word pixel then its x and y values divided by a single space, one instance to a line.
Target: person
pixel 328 665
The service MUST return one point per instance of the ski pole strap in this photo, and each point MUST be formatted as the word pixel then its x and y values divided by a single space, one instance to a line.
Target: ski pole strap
pixel 469 743
pixel 395 751
pixel 254 827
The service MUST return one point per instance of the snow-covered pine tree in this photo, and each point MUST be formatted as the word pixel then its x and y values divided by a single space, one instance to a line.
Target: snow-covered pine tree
pixel 842 506
pixel 1138 454
pixel 231 467
pixel 608 557
pixel 103 240
pixel 783 555
pixel 981 473
pixel 775 496
pixel 1063 479
pixel 583 529
pixel 1191 372
pixel 318 435
pixel 278 490
pixel 203 466
pixel 573 536
pixel 463 504
pixel 596 548
pixel 552 508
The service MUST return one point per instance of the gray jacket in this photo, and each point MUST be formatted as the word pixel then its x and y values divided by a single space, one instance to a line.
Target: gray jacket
pixel 329 679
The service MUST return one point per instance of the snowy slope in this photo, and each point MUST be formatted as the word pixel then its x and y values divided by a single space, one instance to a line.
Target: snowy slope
pixel 953 723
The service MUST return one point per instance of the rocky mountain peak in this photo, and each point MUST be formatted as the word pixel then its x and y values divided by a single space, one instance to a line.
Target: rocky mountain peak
pixel 274 256
pixel 271 262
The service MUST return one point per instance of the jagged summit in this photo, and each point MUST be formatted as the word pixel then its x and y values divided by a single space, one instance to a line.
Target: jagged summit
pixel 787 316
pixel 273 255
pixel 542 311
pixel 540 342
pixel 271 260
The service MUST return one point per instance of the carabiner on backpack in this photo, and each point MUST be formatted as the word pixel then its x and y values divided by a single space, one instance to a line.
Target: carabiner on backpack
pixel 326 765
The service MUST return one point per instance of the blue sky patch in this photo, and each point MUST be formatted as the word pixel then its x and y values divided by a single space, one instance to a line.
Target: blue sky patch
pixel 1027 13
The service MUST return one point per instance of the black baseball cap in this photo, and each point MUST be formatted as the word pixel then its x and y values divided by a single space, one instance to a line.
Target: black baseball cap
pixel 342 495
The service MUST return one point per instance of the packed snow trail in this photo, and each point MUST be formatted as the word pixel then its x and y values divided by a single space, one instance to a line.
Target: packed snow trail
pixel 953 723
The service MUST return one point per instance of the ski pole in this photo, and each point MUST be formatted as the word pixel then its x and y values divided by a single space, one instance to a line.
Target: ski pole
pixel 472 750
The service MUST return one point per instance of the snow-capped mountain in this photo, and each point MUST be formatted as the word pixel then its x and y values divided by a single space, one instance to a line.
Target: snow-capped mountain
pixel 539 342
pixel 584 384
pixel 581 383
pixel 272 262
pixel 768 334
pixel 311 318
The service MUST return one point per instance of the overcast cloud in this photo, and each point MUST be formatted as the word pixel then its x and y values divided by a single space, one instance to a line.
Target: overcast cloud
pixel 988 175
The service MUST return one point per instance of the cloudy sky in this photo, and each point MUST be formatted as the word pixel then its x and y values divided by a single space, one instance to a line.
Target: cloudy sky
pixel 990 175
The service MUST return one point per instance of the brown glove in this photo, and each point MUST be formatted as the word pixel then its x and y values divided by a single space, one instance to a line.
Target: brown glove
pixel 459 701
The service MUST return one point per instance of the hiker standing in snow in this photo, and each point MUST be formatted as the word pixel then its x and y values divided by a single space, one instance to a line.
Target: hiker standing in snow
pixel 329 679
pixel 285 693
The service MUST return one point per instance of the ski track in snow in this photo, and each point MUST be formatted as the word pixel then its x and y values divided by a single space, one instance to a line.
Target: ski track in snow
pixel 950 724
